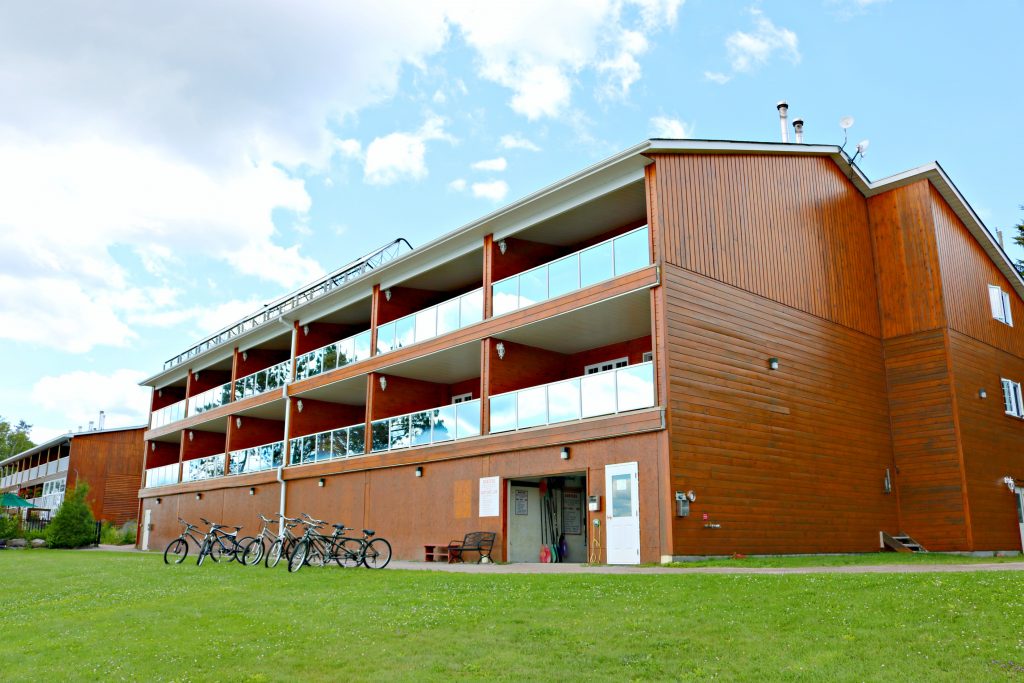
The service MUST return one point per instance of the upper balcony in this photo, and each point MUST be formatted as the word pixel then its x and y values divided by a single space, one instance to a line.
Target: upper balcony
pixel 335 340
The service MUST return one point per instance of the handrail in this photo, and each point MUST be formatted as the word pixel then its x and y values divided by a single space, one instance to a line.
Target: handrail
pixel 388 333
pixel 289 302
pixel 424 434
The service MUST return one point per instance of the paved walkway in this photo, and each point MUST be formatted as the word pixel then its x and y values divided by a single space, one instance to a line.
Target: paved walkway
pixel 530 568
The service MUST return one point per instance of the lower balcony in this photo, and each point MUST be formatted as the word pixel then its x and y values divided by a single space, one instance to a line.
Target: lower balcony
pixel 256 459
pixel 207 467
pixel 164 475
pixel 425 427
pixel 345 442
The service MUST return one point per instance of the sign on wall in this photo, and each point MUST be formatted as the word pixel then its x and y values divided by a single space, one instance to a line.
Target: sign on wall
pixel 522 502
pixel 490 496
pixel 572 511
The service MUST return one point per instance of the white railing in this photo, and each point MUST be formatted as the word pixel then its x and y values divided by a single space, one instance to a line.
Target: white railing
pixel 203 468
pixel 162 476
pixel 168 414
pixel 603 261
pixel 262 381
pixel 443 318
pixel 209 399
pixel 344 442
pixel 333 356
pixel 422 428
pixel 62 464
pixel 257 458
pixel 34 472
pixel 602 393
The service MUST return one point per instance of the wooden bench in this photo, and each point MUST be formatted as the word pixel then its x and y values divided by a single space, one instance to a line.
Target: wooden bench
pixel 435 552
pixel 477 541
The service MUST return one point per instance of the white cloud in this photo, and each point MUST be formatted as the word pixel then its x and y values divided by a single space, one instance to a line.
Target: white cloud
pixel 349 148
pixel 457 185
pixel 623 69
pixel 498 164
pixel 494 190
pixel 749 50
pixel 517 142
pixel 666 127
pixel 717 77
pixel 401 156
pixel 79 397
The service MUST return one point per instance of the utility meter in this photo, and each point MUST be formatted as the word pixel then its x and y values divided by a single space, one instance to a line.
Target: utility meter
pixel 682 505
pixel 594 503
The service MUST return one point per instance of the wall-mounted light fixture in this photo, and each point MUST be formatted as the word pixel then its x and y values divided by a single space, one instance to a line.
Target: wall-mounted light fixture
pixel 160 393
pixel 565 452
pixel 982 393
pixel 773 363
pixel 321 482
pixel 252 490
pixel 152 446
pixel 502 246
pixel 191 435
pixel 245 355
pixel 387 295
pixel 305 330
pixel 887 483
pixel 383 383
pixel 157 501
pixel 299 405
pixel 238 423
pixel 199 496
pixel 196 376
pixel 419 471
pixel 500 348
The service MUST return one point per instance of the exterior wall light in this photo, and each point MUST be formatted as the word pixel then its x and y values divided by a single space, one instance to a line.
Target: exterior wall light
pixel 238 423
pixel 305 330
pixel 299 405
pixel 157 501
pixel 383 383
pixel 199 496
pixel 982 393
pixel 252 491
pixel 565 452
pixel 152 446
pixel 387 295
pixel 419 471
pixel 502 246
pixel 321 482
pixel 245 355
pixel 191 436
pixel 773 363
pixel 500 348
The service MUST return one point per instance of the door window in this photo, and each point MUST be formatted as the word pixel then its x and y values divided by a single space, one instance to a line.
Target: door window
pixel 622 496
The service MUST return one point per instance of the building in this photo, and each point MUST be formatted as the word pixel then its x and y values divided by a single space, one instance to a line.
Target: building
pixel 109 460
pixel 691 348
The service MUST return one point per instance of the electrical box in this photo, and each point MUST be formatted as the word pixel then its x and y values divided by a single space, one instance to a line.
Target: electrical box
pixel 682 505
pixel 594 503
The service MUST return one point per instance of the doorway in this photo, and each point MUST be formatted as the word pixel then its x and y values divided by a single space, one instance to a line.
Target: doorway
pixel 622 515
pixel 547 519
pixel 1020 513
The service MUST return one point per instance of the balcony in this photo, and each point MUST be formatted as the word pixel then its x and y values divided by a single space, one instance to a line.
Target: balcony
pixel 62 464
pixel 168 414
pixel 209 399
pixel 445 317
pixel 257 459
pixel 602 393
pixel 437 425
pixel 346 442
pixel 203 468
pixel 333 356
pixel 262 381
pixel 162 476
pixel 611 258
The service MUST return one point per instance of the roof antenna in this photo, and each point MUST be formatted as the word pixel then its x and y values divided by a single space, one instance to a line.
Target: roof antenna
pixel 845 123
pixel 862 148
pixel 783 108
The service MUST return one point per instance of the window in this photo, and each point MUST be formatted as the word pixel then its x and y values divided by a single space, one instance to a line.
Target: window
pixel 462 398
pixel 648 357
pixel 1012 398
pixel 607 365
pixel 1000 302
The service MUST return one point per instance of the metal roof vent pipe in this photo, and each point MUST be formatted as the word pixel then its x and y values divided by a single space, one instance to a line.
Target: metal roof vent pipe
pixel 783 108
pixel 103 418
pixel 90 425
pixel 798 130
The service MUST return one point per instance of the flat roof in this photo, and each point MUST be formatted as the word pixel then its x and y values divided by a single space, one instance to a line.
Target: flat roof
pixel 65 438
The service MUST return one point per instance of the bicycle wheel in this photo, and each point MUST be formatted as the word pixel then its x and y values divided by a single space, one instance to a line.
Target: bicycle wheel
pixel 315 558
pixel 274 554
pixel 253 552
pixel 220 551
pixel 176 551
pixel 298 556
pixel 348 553
pixel 240 547
pixel 378 554
pixel 204 550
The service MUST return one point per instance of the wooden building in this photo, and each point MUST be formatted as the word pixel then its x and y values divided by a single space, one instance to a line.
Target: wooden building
pixel 109 460
pixel 691 348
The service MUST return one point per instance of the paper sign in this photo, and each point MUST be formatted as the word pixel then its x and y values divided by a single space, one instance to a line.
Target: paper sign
pixel 522 502
pixel 490 500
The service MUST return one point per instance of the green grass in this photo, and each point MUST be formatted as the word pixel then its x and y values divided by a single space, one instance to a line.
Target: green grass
pixel 858 559
pixel 71 616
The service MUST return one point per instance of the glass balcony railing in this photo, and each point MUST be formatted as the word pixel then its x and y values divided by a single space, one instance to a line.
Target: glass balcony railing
pixel 162 476
pixel 203 468
pixel 333 356
pixel 346 442
pixel 445 317
pixel 256 459
pixel 267 379
pixel 437 425
pixel 602 393
pixel 209 399
pixel 62 464
pixel 611 258
pixel 168 414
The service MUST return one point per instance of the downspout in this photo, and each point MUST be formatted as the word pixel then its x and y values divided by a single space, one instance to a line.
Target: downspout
pixel 287 428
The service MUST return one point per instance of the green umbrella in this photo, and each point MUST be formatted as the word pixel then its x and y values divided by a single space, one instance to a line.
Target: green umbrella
pixel 12 500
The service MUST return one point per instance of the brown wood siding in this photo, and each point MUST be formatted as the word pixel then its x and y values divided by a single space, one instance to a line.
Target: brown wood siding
pixel 991 439
pixel 906 253
pixel 111 463
pixel 786 461
pixel 967 271
pixel 793 230
pixel 925 441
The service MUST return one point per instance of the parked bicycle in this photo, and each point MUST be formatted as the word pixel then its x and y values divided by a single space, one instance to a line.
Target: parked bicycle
pixel 255 546
pixel 177 549
pixel 220 546
pixel 284 543
pixel 318 550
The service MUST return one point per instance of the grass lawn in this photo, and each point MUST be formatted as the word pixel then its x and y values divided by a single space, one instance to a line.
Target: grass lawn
pixel 111 616
pixel 857 559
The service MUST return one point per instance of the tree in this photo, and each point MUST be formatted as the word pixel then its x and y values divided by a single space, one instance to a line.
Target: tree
pixel 1018 239
pixel 14 440
pixel 73 526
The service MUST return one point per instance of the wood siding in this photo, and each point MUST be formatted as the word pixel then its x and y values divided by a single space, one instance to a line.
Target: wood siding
pixel 791 229
pixel 785 461
pixel 111 463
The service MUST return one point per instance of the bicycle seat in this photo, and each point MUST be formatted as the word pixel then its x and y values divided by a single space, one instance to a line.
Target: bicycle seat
pixel 206 521
pixel 368 532
pixel 236 528
pixel 339 527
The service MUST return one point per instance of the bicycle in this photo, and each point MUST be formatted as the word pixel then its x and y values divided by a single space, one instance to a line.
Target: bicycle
pixel 312 548
pixel 255 545
pixel 284 542
pixel 177 549
pixel 372 553
pixel 219 545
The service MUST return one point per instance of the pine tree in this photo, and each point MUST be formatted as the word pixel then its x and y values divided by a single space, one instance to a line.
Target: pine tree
pixel 73 526
pixel 1018 239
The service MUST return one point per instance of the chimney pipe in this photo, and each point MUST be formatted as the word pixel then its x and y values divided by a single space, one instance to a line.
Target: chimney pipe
pixel 783 108
pixel 103 416
pixel 90 425
pixel 999 236
pixel 798 129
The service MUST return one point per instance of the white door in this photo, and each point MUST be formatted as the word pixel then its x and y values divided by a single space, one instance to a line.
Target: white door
pixel 523 524
pixel 622 513
pixel 147 515
pixel 1020 514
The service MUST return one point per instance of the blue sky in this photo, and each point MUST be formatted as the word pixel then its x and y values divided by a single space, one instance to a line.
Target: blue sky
pixel 164 171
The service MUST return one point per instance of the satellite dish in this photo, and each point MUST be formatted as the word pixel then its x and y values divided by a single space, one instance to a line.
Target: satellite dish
pixel 862 148
pixel 846 122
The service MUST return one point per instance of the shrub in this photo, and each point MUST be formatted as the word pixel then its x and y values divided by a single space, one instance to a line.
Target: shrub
pixel 112 535
pixel 9 527
pixel 128 532
pixel 73 526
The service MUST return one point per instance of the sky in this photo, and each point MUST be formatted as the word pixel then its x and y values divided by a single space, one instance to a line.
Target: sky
pixel 166 168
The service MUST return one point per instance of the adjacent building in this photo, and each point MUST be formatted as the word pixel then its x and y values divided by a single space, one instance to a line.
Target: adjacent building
pixel 109 460
pixel 691 348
